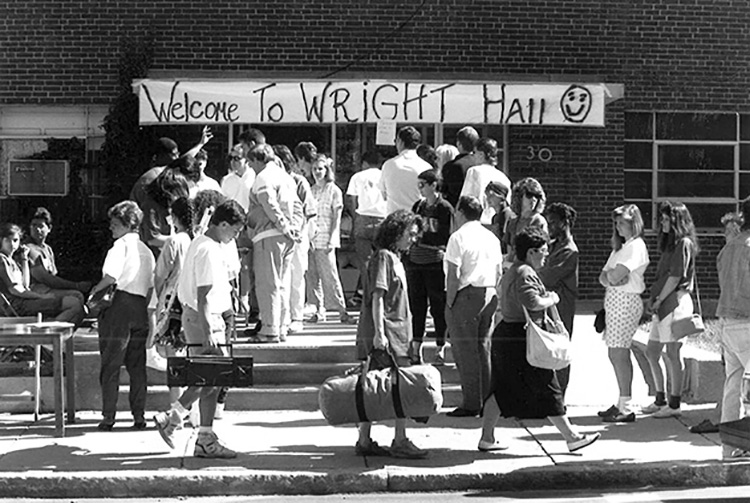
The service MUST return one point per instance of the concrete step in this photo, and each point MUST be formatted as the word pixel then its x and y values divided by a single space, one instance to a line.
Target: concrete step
pixel 255 398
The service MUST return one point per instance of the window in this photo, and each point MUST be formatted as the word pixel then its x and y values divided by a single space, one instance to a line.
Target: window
pixel 700 159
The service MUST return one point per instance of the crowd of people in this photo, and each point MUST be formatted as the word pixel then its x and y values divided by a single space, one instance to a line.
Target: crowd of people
pixel 438 230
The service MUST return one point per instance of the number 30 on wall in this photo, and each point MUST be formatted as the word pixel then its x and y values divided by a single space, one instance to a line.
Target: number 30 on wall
pixel 535 153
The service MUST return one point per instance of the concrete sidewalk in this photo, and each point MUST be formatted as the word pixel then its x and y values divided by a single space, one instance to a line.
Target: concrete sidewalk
pixel 296 452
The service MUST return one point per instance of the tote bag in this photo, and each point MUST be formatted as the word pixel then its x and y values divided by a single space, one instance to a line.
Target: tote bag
pixel 547 348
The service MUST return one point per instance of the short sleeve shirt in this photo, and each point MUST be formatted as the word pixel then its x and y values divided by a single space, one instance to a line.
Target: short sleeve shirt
pixel 364 185
pixel 476 252
pixel 328 200
pixel 171 258
pixel 385 272
pixel 634 256
pixel 131 263
pixel 238 187
pixel 205 265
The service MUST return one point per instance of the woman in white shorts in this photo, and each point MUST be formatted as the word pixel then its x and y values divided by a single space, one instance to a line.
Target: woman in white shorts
pixel 671 300
pixel 622 276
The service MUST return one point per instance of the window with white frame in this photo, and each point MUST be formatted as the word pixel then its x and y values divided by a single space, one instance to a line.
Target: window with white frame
pixel 701 159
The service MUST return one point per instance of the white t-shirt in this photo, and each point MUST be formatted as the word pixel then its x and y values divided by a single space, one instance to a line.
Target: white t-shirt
pixel 476 181
pixel 238 187
pixel 398 182
pixel 205 183
pixel 365 186
pixel 634 256
pixel 477 254
pixel 205 265
pixel 131 263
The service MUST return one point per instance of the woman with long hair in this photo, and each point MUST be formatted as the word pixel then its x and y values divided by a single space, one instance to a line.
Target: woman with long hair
pixel 622 276
pixel 323 270
pixel 671 300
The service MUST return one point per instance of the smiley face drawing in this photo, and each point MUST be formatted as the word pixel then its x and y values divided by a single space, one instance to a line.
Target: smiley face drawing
pixel 576 103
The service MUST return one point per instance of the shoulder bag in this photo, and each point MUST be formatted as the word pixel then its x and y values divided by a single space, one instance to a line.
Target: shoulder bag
pixel 547 348
pixel 693 324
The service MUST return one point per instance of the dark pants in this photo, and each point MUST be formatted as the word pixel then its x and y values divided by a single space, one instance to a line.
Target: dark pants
pixel 469 322
pixel 426 282
pixel 123 329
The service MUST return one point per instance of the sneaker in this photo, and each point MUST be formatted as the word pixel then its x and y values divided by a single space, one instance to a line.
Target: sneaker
pixel 219 414
pixel 348 319
pixel 584 441
pixel 296 327
pixel 667 411
pixel 317 318
pixel 166 427
pixel 612 411
pixel 650 409
pixel 407 450
pixel 620 418
pixel 209 446
pixel 373 449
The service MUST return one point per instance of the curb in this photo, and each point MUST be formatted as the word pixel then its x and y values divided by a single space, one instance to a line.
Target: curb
pixel 175 483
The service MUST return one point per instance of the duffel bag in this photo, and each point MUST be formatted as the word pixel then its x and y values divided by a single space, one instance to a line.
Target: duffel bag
pixel 376 395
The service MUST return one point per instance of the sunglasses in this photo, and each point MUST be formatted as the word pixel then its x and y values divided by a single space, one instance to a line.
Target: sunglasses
pixel 235 158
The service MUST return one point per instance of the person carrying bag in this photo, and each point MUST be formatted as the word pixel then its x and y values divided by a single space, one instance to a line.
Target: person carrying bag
pixel 547 348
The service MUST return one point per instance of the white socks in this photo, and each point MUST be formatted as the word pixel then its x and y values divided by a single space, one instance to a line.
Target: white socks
pixel 624 405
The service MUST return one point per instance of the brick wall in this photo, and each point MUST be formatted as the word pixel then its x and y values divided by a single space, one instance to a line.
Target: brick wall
pixel 669 54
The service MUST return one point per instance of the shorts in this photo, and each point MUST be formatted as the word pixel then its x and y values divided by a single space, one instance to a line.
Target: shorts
pixel 623 314
pixel 194 333
pixel 661 330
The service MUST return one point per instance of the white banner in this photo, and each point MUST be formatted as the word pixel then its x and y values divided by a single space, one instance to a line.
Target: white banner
pixel 372 101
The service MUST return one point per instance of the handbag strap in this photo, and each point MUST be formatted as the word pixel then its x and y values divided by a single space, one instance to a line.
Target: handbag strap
pixel 697 290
